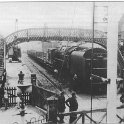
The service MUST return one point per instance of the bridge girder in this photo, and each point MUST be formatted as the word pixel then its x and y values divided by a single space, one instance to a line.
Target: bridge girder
pixel 46 34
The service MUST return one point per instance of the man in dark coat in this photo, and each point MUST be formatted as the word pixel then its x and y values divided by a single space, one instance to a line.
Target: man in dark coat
pixel 21 77
pixel 61 106
pixel 73 106
pixel 122 98
pixel 1 95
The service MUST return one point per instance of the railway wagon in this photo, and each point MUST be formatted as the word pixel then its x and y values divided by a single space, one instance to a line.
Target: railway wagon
pixel 45 58
pixel 45 55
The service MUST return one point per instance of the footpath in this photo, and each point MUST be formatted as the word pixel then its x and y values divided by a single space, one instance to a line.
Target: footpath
pixel 11 115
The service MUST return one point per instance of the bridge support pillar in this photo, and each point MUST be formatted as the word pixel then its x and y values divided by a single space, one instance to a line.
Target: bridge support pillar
pixel 83 119
pixel 112 44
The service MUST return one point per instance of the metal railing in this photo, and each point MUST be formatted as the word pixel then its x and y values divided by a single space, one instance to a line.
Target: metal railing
pixel 84 113
pixel 68 34
pixel 34 120
pixel 40 120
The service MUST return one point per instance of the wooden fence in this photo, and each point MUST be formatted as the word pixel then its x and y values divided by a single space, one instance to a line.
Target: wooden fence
pixel 12 95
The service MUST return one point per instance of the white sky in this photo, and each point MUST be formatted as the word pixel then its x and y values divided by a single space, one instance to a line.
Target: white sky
pixel 52 14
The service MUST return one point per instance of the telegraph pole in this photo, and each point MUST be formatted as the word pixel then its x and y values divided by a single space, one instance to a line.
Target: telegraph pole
pixel 4 41
pixel 112 44
pixel 16 25
pixel 92 59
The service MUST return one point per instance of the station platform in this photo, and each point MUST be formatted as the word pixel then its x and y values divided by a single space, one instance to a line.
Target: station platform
pixel 13 69
pixel 12 115
pixel 84 100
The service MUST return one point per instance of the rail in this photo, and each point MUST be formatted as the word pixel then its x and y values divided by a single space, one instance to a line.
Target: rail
pixel 48 80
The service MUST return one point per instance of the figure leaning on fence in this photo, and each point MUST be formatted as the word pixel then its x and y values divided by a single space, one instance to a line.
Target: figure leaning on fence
pixel 61 106
pixel 6 100
pixel 21 78
pixel 73 106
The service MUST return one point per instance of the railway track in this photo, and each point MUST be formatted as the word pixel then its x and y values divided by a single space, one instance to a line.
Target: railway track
pixel 47 82
pixel 42 79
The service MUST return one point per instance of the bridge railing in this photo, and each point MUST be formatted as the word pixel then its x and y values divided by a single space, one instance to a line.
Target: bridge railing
pixel 54 32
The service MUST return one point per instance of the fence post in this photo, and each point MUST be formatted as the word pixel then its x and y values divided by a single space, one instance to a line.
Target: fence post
pixel 12 95
pixel 30 98
pixel 15 95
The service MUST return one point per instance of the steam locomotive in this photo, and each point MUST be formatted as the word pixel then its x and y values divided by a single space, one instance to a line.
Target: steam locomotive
pixel 14 54
pixel 76 63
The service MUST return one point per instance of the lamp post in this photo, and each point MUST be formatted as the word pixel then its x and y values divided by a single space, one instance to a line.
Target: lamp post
pixel 16 26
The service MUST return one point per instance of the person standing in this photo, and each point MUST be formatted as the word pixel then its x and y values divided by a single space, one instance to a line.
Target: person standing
pixel 6 99
pixel 18 100
pixel 22 107
pixel 73 106
pixel 61 106
pixel 75 82
pixel 4 77
pixel 1 95
pixel 21 77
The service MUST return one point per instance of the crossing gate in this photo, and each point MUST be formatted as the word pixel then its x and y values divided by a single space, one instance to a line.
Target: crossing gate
pixel 12 95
